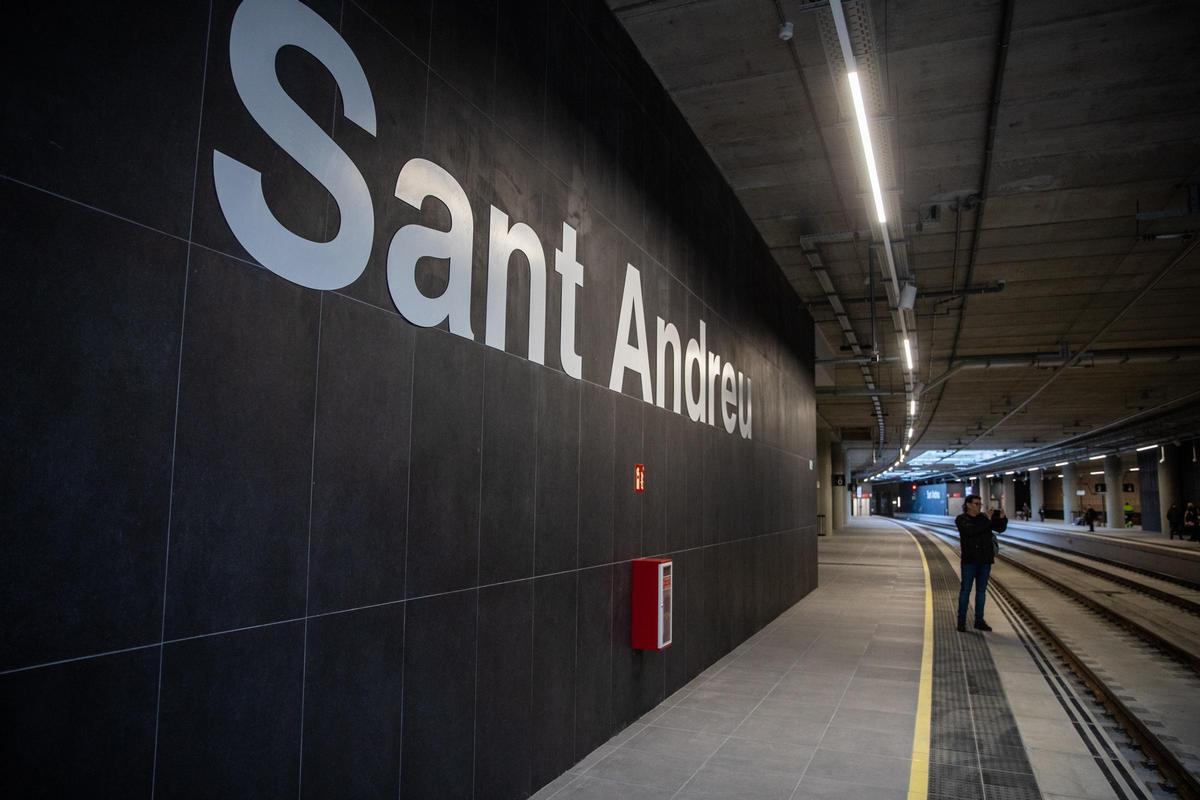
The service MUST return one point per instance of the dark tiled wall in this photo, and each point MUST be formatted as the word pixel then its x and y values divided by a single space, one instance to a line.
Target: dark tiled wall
pixel 264 540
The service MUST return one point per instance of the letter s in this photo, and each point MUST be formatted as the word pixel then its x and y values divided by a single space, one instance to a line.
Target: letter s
pixel 260 29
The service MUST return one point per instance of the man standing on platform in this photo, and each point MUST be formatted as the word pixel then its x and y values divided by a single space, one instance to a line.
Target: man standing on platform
pixel 976 533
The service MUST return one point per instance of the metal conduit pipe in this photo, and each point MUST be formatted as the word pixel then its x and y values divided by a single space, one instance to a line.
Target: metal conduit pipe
pixel 980 200
pixel 822 275
pixel 1067 449
pixel 1058 371
pixel 941 294
pixel 847 360
pixel 811 252
pixel 1147 355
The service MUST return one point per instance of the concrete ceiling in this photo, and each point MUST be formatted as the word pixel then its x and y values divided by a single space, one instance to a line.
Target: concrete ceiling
pixel 1097 118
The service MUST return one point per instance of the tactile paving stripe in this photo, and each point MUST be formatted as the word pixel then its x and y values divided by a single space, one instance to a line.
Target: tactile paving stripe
pixel 976 752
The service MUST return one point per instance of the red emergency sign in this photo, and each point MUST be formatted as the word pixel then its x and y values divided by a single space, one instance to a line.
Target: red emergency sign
pixel 639 478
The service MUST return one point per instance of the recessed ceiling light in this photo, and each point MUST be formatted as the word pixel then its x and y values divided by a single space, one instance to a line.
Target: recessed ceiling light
pixel 864 133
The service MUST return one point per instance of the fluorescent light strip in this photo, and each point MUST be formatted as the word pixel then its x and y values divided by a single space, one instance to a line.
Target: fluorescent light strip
pixel 1034 469
pixel 860 112
pixel 1135 469
pixel 910 431
pixel 908 354
pixel 1062 463
pixel 1147 447
pixel 912 407
pixel 1101 472
pixel 1095 458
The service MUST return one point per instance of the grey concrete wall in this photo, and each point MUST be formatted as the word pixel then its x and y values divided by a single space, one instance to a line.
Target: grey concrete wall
pixel 263 535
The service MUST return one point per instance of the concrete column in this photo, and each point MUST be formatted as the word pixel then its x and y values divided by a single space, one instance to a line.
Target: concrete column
pixel 1114 516
pixel 1009 503
pixel 825 482
pixel 995 492
pixel 841 497
pixel 1036 497
pixel 1168 483
pixel 1068 490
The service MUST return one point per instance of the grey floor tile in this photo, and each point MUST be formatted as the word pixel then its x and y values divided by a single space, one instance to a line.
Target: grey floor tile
pixel 881 771
pixel 786 697
pixel 689 745
pixel 721 701
pixel 750 755
pixel 798 714
pixel 588 788
pixel 768 728
pixel 813 788
pixel 699 719
pixel 721 783
pixel 861 740
pixel 624 765
pixel 886 721
pixel 886 673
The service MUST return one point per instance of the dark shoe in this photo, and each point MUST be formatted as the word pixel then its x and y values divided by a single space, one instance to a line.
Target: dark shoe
pixel 962 626
pixel 980 625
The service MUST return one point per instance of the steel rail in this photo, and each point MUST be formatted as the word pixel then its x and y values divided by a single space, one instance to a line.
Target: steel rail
pixel 1180 654
pixel 1149 573
pixel 1120 580
pixel 1167 763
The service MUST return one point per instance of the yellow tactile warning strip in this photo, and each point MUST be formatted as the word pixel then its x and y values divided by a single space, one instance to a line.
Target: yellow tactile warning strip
pixel 918 775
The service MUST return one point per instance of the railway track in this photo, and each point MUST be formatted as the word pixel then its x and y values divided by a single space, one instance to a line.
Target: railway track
pixel 1104 591
pixel 1112 664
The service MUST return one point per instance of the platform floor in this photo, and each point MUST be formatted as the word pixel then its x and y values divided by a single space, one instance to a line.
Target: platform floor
pixel 862 691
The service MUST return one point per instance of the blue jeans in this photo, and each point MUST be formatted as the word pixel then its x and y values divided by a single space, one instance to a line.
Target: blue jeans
pixel 978 574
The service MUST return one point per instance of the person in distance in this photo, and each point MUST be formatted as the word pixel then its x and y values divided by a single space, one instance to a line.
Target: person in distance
pixel 976 533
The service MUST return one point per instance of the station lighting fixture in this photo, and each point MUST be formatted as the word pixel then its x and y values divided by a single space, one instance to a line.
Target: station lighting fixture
pixel 1062 463
pixel 1096 458
pixel 864 133
pixel 1147 447
pixel 1135 469
pixel 910 431
pixel 912 407
pixel 1011 472
pixel 1101 472
pixel 1034 469
pixel 908 354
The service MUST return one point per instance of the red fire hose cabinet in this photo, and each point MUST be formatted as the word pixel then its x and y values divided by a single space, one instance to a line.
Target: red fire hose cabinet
pixel 652 603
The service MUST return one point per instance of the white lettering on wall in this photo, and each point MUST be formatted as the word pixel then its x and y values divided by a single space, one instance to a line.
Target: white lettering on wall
pixel 695 357
pixel 668 334
pixel 420 179
pixel 256 38
pixel 745 410
pixel 710 390
pixel 627 356
pixel 503 241
pixel 729 398
pixel 571 270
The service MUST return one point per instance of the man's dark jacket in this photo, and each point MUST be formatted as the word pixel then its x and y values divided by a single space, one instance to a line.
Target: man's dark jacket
pixel 975 534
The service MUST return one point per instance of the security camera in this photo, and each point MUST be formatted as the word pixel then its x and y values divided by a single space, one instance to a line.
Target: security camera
pixel 786 32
